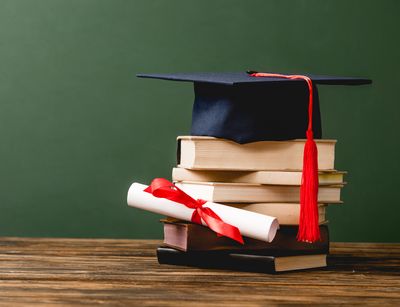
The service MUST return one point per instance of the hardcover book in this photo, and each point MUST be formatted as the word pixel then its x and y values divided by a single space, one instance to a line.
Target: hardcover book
pixel 286 213
pixel 221 192
pixel 220 154
pixel 257 177
pixel 257 262
pixel 187 236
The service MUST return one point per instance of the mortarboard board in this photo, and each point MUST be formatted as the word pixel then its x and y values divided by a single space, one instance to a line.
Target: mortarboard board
pixel 251 106
pixel 242 108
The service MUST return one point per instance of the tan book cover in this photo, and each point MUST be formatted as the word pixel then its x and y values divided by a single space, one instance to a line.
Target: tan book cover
pixel 254 193
pixel 286 213
pixel 220 154
pixel 257 177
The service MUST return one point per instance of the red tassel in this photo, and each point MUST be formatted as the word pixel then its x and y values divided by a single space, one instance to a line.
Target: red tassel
pixel 308 223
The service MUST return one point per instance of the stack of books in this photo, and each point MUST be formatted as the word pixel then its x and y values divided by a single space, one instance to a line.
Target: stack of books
pixel 262 177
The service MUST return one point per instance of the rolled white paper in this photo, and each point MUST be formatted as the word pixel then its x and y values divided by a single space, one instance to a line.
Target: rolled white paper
pixel 250 224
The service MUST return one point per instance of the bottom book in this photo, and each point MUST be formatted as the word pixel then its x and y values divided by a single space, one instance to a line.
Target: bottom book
pixel 249 262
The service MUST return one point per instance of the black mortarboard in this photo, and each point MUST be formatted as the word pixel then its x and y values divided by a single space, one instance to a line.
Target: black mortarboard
pixel 244 108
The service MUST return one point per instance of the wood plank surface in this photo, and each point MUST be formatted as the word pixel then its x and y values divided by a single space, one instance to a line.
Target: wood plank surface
pixel 40 271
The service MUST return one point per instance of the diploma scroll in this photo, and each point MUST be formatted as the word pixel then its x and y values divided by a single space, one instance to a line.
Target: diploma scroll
pixel 253 225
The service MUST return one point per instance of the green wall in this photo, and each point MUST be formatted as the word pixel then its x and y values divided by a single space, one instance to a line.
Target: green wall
pixel 77 127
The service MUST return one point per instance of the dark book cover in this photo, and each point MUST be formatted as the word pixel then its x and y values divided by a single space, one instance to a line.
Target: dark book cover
pixel 251 262
pixel 187 236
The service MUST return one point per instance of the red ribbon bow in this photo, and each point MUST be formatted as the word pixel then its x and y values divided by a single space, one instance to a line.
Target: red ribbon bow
pixel 162 188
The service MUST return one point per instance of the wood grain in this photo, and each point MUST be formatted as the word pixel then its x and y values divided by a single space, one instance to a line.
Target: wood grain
pixel 40 271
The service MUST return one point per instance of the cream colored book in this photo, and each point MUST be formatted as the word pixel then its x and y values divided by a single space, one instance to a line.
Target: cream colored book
pixel 220 154
pixel 252 193
pixel 258 177
pixel 292 263
pixel 286 213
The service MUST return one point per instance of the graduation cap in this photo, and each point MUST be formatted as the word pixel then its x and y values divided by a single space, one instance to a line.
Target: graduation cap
pixel 243 108
pixel 251 106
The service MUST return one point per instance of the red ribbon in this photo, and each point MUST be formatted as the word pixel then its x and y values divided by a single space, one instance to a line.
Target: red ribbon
pixel 162 188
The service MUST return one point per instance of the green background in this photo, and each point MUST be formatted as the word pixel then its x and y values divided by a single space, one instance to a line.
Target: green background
pixel 77 127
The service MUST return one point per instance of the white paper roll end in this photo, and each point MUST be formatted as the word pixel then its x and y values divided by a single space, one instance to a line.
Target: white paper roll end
pixel 134 188
pixel 273 229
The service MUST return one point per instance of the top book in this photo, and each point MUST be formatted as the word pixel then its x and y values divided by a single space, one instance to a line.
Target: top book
pixel 195 152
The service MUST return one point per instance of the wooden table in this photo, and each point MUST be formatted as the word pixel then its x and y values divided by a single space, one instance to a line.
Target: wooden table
pixel 119 272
